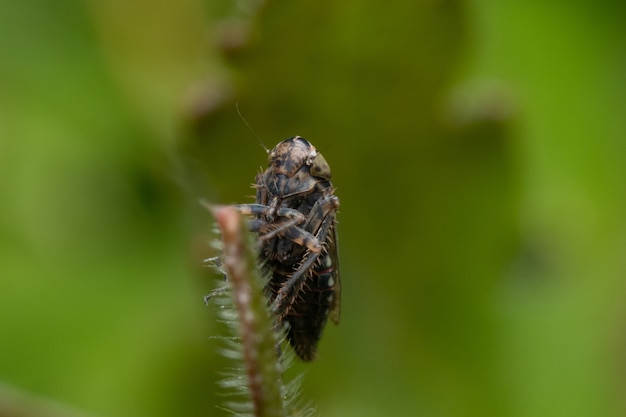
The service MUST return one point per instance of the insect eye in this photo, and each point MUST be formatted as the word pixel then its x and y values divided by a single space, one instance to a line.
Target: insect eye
pixel 320 167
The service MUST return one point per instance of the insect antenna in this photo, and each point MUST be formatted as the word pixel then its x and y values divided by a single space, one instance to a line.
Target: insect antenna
pixel 250 128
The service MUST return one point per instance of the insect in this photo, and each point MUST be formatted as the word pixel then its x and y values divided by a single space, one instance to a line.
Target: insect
pixel 295 218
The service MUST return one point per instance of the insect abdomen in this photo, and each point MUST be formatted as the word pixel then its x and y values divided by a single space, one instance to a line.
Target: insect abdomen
pixel 310 312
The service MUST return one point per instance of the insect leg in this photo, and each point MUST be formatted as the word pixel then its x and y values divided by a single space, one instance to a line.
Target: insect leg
pixel 215 263
pixel 320 211
pixel 323 209
pixel 303 235
pixel 255 225
pixel 255 209
pixel 262 209
pixel 215 292
pixel 294 218
pixel 303 238
pixel 292 287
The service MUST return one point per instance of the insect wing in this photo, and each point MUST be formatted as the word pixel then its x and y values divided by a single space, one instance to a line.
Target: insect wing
pixel 335 305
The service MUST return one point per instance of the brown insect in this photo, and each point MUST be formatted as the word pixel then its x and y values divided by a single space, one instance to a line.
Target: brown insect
pixel 295 219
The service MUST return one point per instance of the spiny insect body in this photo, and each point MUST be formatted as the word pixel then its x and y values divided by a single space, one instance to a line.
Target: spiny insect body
pixel 295 218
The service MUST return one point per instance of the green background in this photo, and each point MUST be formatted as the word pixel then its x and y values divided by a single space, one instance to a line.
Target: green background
pixel 478 149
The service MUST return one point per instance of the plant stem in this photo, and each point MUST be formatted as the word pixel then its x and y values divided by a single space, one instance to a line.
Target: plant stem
pixel 256 328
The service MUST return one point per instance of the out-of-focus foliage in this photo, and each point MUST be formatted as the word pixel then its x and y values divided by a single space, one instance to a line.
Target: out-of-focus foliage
pixel 477 147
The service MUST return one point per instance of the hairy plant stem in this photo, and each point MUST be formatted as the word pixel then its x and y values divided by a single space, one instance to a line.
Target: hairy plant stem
pixel 256 328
